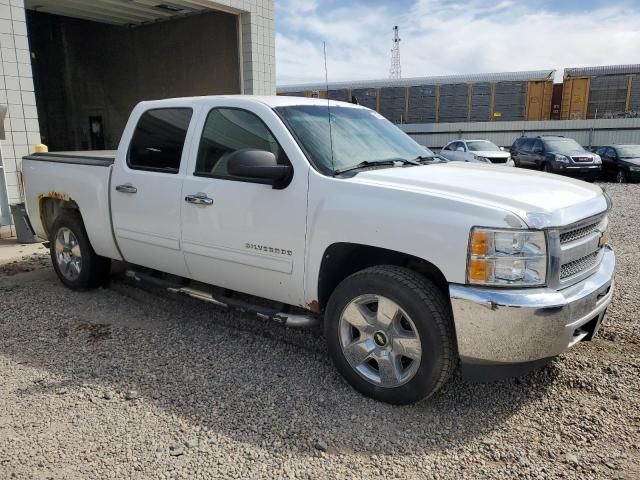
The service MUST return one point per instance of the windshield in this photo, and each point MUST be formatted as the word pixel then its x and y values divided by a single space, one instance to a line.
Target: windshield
pixel 565 145
pixel 630 151
pixel 357 135
pixel 429 152
pixel 482 146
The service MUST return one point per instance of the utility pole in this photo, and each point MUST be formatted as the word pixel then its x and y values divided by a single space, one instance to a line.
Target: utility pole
pixel 395 72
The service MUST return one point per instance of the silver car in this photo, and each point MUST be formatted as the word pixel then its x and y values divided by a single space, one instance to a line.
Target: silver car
pixel 482 151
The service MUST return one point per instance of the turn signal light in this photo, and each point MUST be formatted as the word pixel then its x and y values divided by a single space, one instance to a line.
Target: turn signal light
pixel 478 271
pixel 479 242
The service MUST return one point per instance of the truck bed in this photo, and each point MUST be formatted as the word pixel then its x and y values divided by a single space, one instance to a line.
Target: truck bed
pixel 97 158
pixel 81 178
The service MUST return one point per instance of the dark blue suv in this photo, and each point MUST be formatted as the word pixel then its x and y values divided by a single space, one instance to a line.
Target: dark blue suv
pixel 556 154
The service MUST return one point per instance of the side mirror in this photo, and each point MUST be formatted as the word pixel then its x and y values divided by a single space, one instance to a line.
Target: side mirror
pixel 259 165
pixel 460 149
pixel 502 148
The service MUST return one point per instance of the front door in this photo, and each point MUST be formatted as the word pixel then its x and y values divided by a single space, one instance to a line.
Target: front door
pixel 146 189
pixel 238 233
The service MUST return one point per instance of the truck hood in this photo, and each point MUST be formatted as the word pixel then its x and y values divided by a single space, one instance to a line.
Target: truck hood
pixel 540 199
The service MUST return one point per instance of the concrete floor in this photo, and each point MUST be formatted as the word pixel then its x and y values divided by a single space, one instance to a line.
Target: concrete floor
pixel 11 251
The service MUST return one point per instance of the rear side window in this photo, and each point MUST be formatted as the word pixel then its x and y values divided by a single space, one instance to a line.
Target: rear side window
pixel 158 140
pixel 227 130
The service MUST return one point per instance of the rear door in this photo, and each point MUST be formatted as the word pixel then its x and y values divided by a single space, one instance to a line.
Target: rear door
pixel 243 234
pixel 537 153
pixel 146 189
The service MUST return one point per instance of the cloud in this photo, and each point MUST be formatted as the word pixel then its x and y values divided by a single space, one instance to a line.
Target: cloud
pixel 440 37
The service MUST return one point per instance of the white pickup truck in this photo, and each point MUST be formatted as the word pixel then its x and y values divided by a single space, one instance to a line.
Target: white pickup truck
pixel 328 211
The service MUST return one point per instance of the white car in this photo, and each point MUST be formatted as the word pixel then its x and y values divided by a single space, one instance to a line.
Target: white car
pixel 415 266
pixel 482 151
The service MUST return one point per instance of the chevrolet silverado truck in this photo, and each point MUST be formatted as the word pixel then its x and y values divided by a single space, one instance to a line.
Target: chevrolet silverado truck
pixel 307 211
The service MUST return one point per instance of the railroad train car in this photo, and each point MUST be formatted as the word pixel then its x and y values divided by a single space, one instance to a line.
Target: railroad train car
pixel 594 92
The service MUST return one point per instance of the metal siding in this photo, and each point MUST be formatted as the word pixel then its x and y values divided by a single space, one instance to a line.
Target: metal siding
pixel 634 99
pixel 341 95
pixel 453 102
pixel 366 97
pixel 481 102
pixel 607 96
pixel 392 103
pixel 601 131
pixel 422 104
pixel 510 101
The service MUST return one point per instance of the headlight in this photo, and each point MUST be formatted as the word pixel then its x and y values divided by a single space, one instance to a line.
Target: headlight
pixel 482 159
pixel 507 257
pixel 634 169
pixel 597 160
pixel 562 158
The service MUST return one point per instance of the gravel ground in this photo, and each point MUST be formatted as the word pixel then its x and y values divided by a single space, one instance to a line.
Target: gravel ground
pixel 124 383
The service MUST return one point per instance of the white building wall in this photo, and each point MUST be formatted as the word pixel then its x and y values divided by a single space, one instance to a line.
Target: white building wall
pixel 257 48
pixel 16 91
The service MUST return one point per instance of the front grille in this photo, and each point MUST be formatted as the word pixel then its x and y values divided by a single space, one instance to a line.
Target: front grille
pixel 497 159
pixel 582 159
pixel 578 233
pixel 578 266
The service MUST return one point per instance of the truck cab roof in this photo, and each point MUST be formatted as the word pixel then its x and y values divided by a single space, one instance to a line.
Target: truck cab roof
pixel 272 101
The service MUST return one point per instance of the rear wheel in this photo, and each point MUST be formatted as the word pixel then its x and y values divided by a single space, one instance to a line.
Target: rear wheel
pixel 621 176
pixel 390 333
pixel 73 257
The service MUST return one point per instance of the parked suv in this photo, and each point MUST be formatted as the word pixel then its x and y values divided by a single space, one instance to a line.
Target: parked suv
pixel 621 162
pixel 556 154
pixel 482 151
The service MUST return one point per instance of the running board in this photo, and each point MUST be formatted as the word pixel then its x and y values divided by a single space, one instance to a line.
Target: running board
pixel 293 320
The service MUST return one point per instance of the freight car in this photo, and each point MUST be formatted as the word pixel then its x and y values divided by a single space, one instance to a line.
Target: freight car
pixel 592 92
pixel 454 98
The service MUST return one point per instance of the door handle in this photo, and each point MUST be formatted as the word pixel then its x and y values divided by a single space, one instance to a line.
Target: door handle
pixel 126 188
pixel 199 199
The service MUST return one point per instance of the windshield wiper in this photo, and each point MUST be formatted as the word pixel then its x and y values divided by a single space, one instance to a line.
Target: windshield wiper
pixel 428 158
pixel 375 163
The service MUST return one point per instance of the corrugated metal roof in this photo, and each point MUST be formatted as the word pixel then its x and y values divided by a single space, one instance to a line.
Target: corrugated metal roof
pixel 601 70
pixel 120 12
pixel 536 75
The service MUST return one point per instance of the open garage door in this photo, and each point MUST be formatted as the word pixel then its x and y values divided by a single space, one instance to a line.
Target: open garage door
pixel 94 60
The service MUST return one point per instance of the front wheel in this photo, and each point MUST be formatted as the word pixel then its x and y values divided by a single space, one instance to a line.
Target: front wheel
pixel 390 333
pixel 621 176
pixel 73 257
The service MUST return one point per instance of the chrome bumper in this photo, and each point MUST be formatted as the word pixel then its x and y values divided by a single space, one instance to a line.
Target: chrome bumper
pixel 499 327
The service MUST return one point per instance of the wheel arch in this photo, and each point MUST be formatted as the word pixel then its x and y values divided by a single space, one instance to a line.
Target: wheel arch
pixel 342 259
pixel 51 206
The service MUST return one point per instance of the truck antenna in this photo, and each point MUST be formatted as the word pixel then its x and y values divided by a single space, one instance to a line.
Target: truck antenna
pixel 326 82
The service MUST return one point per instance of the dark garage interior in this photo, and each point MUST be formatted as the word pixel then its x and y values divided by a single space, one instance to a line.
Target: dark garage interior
pixel 89 75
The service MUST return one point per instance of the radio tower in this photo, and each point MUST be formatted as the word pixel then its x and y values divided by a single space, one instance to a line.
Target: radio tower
pixel 395 72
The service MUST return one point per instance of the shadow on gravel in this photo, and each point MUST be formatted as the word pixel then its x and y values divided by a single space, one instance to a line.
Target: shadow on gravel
pixel 231 375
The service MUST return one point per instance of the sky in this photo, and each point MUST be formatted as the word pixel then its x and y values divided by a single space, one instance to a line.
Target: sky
pixel 442 37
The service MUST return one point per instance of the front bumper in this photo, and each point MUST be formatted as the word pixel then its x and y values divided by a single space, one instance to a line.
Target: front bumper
pixel 500 327
pixel 588 171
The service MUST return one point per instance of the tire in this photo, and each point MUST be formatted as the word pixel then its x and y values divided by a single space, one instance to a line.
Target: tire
pixel 547 168
pixel 621 176
pixel 74 260
pixel 423 319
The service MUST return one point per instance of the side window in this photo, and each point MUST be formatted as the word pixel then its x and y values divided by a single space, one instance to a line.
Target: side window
pixel 227 130
pixel 158 140
pixel 537 147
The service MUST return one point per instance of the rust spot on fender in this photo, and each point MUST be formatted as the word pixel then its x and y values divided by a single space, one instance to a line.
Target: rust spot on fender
pixel 314 306
pixel 55 195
